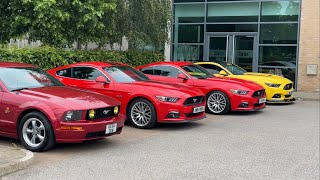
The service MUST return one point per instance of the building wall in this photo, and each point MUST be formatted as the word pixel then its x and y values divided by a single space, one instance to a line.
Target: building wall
pixel 309 45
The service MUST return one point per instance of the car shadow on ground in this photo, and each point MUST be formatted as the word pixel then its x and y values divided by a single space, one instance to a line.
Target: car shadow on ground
pixel 280 104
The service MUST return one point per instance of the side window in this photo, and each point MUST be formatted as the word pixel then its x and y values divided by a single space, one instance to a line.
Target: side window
pixel 88 73
pixel 212 68
pixel 64 72
pixel 148 70
pixel 168 71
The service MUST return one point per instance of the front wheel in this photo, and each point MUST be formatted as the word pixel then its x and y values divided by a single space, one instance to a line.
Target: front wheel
pixel 142 114
pixel 218 103
pixel 35 132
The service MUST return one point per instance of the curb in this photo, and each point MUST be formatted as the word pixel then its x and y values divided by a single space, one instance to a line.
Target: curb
pixel 17 164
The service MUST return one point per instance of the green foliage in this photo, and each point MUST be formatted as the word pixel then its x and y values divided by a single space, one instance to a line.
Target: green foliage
pixel 48 57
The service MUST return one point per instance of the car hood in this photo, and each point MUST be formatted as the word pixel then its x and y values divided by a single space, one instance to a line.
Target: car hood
pixel 69 97
pixel 235 81
pixel 167 88
pixel 265 78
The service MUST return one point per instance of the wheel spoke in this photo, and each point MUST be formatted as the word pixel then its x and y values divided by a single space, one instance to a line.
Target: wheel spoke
pixel 33 139
pixel 34 124
pixel 29 131
pixel 41 138
pixel 41 127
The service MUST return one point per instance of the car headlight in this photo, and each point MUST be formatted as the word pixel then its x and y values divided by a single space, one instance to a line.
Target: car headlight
pixel 167 99
pixel 273 85
pixel 116 110
pixel 240 92
pixel 72 115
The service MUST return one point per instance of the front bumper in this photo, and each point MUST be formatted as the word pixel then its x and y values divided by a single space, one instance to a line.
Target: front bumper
pixel 185 112
pixel 280 96
pixel 252 103
pixel 77 132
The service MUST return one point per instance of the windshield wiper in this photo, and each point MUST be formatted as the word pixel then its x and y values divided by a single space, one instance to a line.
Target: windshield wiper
pixel 19 89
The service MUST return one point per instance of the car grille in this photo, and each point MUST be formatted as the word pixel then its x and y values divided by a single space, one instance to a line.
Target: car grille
pixel 102 113
pixel 193 100
pixel 258 93
pixel 287 96
pixel 288 86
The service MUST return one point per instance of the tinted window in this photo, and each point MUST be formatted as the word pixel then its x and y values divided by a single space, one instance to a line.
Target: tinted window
pixel 64 72
pixel 212 68
pixel 168 71
pixel 26 78
pixel 197 71
pixel 125 74
pixel 148 70
pixel 86 73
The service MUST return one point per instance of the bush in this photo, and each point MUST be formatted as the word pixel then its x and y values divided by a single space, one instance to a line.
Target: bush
pixel 48 57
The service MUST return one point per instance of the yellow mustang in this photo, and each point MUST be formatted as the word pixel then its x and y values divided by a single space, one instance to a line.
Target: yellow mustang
pixel 278 89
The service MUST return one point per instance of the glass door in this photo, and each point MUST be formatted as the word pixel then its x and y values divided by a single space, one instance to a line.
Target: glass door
pixel 239 49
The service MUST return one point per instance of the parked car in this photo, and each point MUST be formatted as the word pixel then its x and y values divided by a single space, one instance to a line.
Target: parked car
pixel 144 102
pixel 40 111
pixel 278 89
pixel 222 94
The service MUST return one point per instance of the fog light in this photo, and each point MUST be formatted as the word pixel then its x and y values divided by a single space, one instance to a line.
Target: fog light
pixel 244 105
pixel 277 96
pixel 72 128
pixel 173 115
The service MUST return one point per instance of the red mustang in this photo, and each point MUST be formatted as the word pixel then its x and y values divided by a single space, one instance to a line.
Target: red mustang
pixel 40 111
pixel 223 94
pixel 144 102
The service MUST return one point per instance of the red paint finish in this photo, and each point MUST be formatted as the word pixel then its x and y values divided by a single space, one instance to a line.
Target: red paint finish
pixel 53 102
pixel 210 84
pixel 124 90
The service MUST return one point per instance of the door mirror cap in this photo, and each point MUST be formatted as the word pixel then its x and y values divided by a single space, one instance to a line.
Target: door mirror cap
pixel 223 73
pixel 101 79
pixel 182 76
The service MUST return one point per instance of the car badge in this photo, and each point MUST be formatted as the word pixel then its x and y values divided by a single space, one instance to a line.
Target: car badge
pixel 194 100
pixel 7 110
pixel 106 112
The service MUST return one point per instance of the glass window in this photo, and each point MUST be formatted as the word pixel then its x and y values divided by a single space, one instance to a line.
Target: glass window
pixel 64 72
pixel 26 78
pixel 197 71
pixel 280 11
pixel 87 73
pixel 125 74
pixel 232 28
pixel 278 56
pixel 189 13
pixel 189 34
pixel 233 12
pixel 147 70
pixel 279 33
pixel 213 69
pixel 289 73
pixel 167 71
pixel 187 52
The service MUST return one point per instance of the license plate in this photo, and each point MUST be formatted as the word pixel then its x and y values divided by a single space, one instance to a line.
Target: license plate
pixel 262 100
pixel 111 128
pixel 198 109
pixel 290 92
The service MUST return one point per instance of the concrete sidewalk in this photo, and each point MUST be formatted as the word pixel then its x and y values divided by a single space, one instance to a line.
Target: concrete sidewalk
pixel 303 96
pixel 13 158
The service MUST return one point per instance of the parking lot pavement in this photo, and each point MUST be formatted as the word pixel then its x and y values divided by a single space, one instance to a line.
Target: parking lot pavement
pixel 280 142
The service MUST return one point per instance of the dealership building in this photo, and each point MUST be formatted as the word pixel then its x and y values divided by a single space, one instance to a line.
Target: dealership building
pixel 280 37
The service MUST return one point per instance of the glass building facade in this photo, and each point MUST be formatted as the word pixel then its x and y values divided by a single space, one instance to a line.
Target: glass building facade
pixel 258 35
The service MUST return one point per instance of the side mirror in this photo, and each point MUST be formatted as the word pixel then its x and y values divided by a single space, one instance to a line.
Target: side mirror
pixel 182 76
pixel 223 73
pixel 101 79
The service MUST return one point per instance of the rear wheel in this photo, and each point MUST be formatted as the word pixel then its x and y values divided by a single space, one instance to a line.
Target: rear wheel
pixel 218 103
pixel 35 132
pixel 142 114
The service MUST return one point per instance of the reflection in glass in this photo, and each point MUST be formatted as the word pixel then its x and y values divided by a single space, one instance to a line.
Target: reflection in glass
pixel 218 49
pixel 186 52
pixel 280 11
pixel 232 28
pixel 278 56
pixel 279 33
pixel 189 34
pixel 189 13
pixel 233 12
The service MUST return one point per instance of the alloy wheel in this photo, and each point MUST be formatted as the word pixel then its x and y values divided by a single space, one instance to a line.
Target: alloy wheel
pixel 217 103
pixel 141 114
pixel 33 132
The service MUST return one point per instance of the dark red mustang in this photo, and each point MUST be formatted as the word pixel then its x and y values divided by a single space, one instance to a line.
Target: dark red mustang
pixel 40 111
pixel 144 102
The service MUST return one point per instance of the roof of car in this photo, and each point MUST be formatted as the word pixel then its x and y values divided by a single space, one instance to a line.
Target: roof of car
pixel 99 64
pixel 178 63
pixel 14 64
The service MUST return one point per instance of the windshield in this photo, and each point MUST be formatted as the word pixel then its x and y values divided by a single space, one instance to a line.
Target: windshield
pixel 125 74
pixel 235 70
pixel 197 71
pixel 25 78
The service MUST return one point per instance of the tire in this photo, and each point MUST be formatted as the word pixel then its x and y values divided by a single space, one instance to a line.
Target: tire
pixel 218 103
pixel 39 126
pixel 139 118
